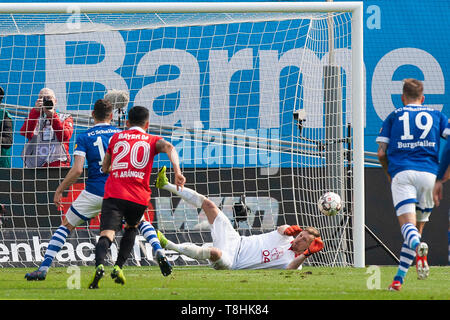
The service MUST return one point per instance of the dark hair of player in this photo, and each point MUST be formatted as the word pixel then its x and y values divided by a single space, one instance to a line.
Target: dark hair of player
pixel 137 116
pixel 102 109
pixel 412 89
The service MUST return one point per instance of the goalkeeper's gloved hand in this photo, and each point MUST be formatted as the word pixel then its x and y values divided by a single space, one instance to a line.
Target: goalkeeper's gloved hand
pixel 315 246
pixel 292 230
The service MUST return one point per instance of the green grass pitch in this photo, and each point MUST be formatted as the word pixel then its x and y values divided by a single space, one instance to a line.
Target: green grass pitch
pixel 204 283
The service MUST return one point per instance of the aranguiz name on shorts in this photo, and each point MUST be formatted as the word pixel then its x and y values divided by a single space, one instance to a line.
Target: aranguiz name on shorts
pixel 412 145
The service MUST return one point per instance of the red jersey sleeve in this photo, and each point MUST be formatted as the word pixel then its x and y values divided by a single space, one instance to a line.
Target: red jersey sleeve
pixel 27 129
pixel 63 129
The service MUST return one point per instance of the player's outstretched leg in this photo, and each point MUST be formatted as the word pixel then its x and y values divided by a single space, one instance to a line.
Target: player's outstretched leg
pixel 117 275
pixel 214 255
pixel 188 249
pixel 190 196
pixel 161 178
pixel 54 246
pixel 162 239
pixel 98 275
pixel 422 268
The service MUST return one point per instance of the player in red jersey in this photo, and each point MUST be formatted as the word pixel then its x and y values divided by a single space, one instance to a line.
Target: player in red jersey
pixel 129 160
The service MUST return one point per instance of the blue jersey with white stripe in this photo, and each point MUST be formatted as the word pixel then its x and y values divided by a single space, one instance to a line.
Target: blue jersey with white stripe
pixel 413 134
pixel 92 145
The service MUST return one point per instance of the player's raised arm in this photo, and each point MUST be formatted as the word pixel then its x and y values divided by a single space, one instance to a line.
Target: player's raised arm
pixel 166 147
pixel 71 177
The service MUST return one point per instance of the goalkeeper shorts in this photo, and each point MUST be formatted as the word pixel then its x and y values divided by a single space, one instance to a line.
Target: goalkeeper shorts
pixel 225 238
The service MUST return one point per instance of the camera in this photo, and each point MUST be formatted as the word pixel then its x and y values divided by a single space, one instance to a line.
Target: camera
pixel 47 102
pixel 299 116
pixel 241 210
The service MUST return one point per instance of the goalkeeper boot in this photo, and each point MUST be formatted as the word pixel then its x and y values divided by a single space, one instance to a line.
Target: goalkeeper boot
pixel 98 275
pixel 422 268
pixel 162 239
pixel 161 179
pixel 164 264
pixel 36 275
pixel 117 275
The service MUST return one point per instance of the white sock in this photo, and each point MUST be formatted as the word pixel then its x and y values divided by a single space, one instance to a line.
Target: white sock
pixel 190 196
pixel 191 250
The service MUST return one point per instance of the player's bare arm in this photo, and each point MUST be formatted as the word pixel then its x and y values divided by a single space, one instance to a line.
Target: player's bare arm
pixel 382 157
pixel 438 191
pixel 297 262
pixel 315 245
pixel 71 177
pixel 106 164
pixel 166 147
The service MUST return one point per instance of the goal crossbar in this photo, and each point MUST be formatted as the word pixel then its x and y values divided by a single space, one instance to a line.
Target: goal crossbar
pixel 182 7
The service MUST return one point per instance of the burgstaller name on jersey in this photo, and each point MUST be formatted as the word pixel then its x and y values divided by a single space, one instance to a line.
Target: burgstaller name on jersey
pixel 412 145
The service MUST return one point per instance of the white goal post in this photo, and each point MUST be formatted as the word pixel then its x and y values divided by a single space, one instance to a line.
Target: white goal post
pixel 229 8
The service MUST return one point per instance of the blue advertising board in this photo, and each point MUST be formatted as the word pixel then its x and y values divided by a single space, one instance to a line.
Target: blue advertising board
pixel 402 39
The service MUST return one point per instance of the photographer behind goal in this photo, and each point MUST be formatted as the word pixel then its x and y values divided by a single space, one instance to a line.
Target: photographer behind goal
pixel 48 133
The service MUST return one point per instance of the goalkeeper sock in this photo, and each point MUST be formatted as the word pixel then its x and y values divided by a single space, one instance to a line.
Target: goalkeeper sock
pixel 54 246
pixel 149 233
pixel 407 256
pixel 411 235
pixel 126 245
pixel 191 250
pixel 101 249
pixel 190 196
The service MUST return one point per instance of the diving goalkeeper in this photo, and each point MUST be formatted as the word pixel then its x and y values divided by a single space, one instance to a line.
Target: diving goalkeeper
pixel 287 247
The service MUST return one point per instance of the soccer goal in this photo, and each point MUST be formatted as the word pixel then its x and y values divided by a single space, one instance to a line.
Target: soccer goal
pixel 263 101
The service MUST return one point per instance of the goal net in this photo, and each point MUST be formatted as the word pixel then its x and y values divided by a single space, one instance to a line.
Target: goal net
pixel 257 104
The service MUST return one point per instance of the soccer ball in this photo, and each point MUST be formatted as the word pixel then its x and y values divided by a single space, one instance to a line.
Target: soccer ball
pixel 330 204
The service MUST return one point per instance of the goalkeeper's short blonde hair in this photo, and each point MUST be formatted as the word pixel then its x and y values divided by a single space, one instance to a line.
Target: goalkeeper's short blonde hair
pixel 313 231
pixel 118 98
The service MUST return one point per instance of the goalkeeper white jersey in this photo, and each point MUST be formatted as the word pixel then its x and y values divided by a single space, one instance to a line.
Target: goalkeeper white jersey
pixel 264 251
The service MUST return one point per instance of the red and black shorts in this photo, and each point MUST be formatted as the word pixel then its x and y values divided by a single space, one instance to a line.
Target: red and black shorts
pixel 115 211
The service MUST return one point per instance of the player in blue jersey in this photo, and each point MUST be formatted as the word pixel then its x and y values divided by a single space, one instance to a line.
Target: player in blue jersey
pixel 443 175
pixel 90 146
pixel 409 154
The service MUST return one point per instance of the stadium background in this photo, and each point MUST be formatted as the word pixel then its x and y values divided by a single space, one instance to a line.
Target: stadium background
pixel 403 38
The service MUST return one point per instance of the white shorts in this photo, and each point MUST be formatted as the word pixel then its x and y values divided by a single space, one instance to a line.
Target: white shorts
pixel 225 238
pixel 412 191
pixel 85 207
